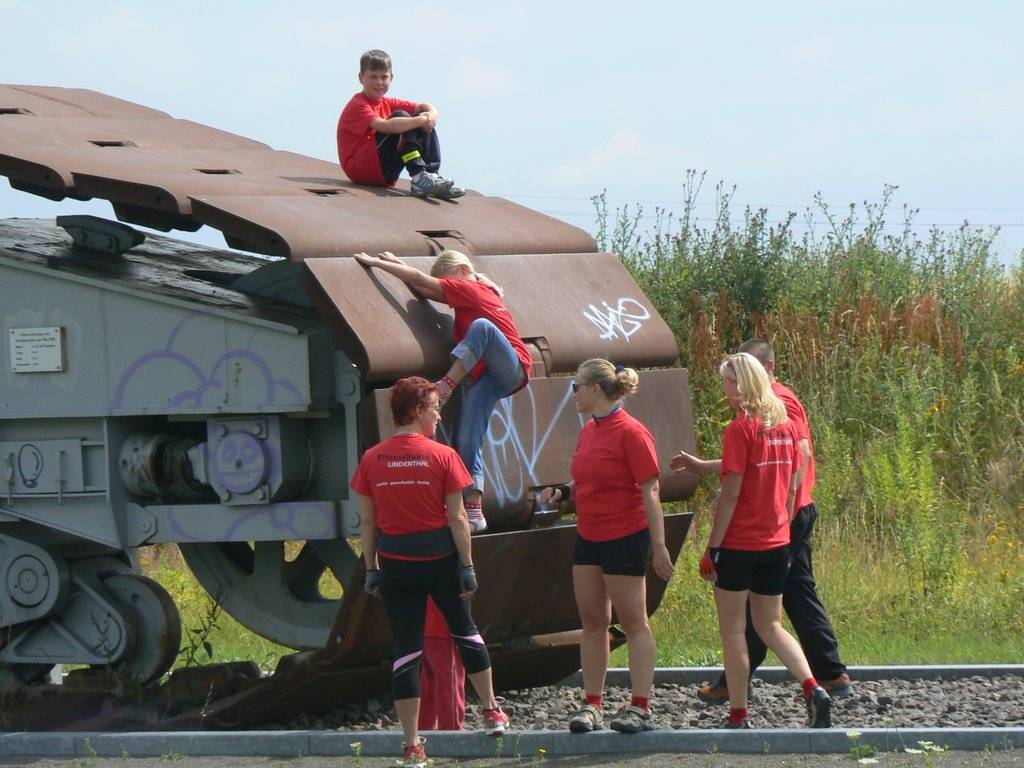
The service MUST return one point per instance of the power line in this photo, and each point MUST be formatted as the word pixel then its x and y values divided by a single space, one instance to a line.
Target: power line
pixel 814 222
pixel 705 204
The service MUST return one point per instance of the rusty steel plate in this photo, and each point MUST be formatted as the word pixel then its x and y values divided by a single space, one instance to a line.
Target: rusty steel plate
pixel 570 306
pixel 168 173
pixel 49 101
pixel 393 220
pixel 355 662
pixel 539 602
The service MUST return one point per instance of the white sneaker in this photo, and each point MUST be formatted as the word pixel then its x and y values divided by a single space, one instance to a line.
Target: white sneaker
pixel 477 521
pixel 426 184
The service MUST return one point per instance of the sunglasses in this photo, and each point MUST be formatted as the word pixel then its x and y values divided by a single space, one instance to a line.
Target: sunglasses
pixel 576 387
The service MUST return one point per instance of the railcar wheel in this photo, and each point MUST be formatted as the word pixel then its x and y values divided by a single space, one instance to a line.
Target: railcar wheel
pixel 277 598
pixel 157 626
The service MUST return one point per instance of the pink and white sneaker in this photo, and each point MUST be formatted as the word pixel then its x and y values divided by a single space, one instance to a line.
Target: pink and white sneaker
pixel 496 722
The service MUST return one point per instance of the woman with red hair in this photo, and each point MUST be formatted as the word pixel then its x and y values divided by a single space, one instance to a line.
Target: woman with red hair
pixel 415 538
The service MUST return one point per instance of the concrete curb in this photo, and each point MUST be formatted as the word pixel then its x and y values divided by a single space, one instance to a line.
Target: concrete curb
pixel 619 676
pixel 474 744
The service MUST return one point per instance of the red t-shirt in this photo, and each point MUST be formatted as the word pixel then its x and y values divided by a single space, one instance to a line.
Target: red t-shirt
pixel 797 414
pixel 408 477
pixel 614 456
pixel 767 459
pixel 357 141
pixel 471 300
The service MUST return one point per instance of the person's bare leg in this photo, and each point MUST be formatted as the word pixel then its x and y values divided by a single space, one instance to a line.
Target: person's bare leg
pixel 457 372
pixel 766 611
pixel 408 715
pixel 629 599
pixel 484 686
pixel 732 626
pixel 595 611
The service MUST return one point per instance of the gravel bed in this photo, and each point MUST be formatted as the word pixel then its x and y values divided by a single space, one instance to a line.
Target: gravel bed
pixel 965 703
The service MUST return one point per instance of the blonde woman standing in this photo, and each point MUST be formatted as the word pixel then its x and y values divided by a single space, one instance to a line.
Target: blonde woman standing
pixel 619 528
pixel 747 556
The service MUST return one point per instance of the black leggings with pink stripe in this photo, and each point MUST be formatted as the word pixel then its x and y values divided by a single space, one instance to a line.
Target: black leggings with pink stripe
pixel 405 586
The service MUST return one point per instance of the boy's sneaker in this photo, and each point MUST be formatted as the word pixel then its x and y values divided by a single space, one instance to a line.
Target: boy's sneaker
pixel 496 722
pixel 453 191
pixel 427 184
pixel 477 521
pixel 588 718
pixel 632 720
pixel 839 688
pixel 416 755
pixel 744 723
pixel 819 708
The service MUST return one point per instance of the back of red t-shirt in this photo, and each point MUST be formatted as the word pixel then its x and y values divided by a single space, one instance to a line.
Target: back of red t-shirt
pixel 408 478
pixel 473 299
pixel 614 456
pixel 767 459
pixel 797 414
pixel 357 141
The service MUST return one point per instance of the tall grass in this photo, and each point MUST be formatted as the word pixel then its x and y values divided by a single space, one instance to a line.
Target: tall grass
pixel 909 355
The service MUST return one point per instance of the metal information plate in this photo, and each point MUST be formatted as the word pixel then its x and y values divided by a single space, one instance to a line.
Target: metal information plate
pixel 37 350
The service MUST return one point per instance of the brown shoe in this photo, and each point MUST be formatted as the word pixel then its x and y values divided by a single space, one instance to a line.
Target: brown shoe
pixel 840 688
pixel 713 693
pixel 716 693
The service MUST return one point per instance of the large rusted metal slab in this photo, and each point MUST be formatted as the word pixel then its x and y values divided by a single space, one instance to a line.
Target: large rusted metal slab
pixel 49 101
pixel 299 228
pixel 533 434
pixel 525 610
pixel 570 306
pixel 525 589
pixel 167 173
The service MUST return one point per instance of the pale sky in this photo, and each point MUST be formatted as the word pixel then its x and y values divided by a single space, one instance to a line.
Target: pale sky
pixel 548 103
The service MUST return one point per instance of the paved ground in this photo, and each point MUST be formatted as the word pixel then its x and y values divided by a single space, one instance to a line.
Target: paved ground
pixel 995 759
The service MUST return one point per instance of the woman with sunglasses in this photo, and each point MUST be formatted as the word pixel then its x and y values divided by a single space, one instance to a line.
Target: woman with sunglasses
pixel 415 538
pixel 619 528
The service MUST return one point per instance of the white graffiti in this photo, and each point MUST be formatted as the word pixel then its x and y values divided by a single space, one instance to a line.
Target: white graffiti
pixel 511 451
pixel 626 318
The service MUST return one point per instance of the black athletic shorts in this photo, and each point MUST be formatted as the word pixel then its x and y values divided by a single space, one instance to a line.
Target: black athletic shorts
pixel 763 572
pixel 626 556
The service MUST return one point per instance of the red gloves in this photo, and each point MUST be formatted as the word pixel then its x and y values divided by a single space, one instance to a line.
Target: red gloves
pixel 707 564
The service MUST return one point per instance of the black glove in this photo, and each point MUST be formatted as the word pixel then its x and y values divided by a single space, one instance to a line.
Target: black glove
pixel 467 579
pixel 373 580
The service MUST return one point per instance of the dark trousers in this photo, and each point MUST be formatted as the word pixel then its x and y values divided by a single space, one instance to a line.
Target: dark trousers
pixel 392 147
pixel 405 585
pixel 803 606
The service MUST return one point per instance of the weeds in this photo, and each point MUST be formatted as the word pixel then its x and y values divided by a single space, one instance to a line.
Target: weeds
pixel 198 638
pixel 907 354
pixel 859 751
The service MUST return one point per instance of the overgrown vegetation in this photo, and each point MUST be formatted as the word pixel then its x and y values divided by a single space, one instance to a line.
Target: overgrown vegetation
pixel 908 354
